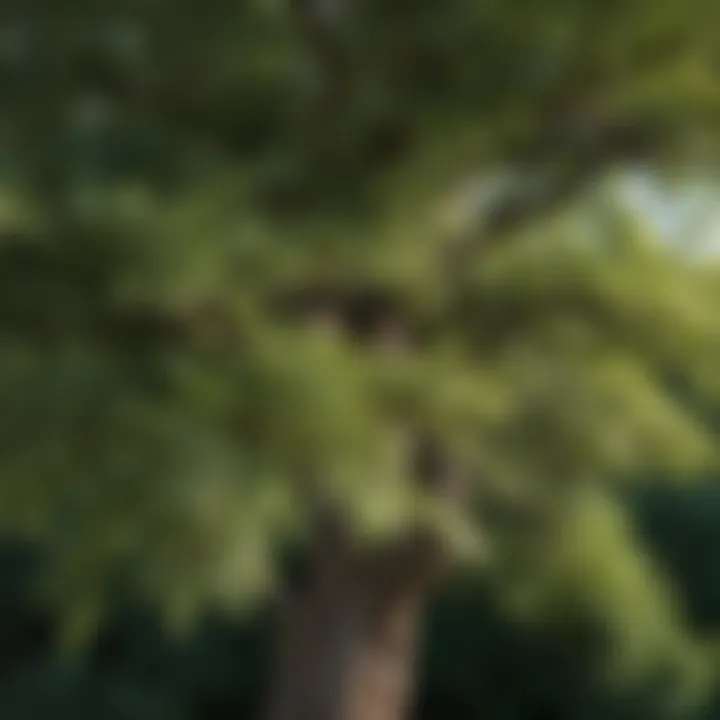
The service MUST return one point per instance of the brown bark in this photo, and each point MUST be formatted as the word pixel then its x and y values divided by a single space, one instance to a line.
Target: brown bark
pixel 349 641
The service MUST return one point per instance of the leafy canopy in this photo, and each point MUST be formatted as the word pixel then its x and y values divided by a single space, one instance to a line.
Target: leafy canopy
pixel 179 176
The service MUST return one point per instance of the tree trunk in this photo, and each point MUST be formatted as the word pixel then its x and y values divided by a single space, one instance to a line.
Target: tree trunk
pixel 348 642
pixel 348 639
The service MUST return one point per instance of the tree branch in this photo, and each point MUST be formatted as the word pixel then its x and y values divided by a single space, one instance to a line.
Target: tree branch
pixel 578 162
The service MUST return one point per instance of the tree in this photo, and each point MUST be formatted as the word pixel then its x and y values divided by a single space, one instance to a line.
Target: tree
pixel 240 315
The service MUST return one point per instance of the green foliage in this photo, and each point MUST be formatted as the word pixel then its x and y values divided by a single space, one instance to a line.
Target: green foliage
pixel 175 174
